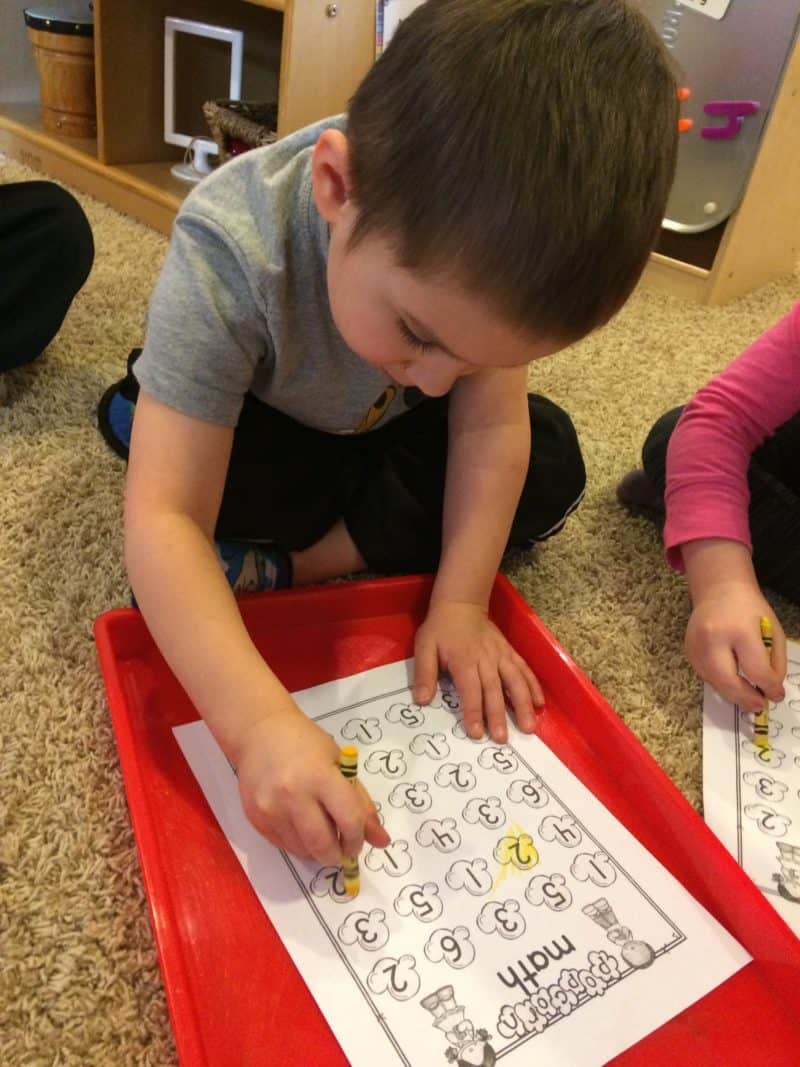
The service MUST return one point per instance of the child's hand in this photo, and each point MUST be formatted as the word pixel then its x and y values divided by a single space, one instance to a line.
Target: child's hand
pixel 723 638
pixel 460 638
pixel 295 795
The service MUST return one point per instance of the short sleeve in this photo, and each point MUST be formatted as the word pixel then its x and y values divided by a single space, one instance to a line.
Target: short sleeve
pixel 206 325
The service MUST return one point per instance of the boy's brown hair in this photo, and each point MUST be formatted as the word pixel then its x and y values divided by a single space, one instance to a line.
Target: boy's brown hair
pixel 524 148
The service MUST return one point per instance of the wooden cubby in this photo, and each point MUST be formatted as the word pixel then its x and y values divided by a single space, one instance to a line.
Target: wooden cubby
pixel 313 53
pixel 310 54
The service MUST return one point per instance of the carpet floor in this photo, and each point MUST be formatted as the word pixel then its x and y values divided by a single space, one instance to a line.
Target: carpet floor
pixel 79 979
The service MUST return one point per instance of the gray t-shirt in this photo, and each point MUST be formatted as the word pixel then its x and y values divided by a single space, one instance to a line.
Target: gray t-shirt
pixel 242 303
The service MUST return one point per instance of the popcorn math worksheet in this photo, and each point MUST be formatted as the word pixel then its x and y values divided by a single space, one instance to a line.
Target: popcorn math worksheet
pixel 751 796
pixel 512 916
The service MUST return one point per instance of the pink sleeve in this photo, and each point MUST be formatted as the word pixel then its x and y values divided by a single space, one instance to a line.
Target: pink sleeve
pixel 709 453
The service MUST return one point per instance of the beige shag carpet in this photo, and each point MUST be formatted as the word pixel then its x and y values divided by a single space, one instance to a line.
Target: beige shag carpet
pixel 80 981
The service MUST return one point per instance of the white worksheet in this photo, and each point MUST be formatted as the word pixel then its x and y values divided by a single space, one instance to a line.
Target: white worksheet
pixel 512 916
pixel 751 796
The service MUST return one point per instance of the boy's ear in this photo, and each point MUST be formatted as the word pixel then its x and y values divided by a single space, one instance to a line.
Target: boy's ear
pixel 330 174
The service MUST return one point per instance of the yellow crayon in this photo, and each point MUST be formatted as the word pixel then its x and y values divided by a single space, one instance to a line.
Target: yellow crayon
pixel 348 765
pixel 761 720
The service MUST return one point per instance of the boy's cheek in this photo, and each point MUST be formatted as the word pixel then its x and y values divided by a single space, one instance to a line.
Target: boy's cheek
pixel 365 337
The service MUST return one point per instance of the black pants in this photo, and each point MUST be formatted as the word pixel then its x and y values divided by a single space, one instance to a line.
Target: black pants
pixel 292 484
pixel 46 253
pixel 774 480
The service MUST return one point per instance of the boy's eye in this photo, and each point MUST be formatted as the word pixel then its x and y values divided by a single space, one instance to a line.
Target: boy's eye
pixel 411 338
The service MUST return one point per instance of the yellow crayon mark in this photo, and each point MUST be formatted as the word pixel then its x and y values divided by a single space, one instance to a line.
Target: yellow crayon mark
pixel 516 854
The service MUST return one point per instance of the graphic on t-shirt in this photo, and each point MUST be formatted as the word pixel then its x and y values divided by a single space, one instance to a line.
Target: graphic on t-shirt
pixel 377 410
pixel 411 397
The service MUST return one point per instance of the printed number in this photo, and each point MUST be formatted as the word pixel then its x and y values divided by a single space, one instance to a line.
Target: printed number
pixel 451 948
pixel 489 814
pixel 475 880
pixel 362 925
pixel 415 796
pixel 398 985
pixel 555 896
pixel 411 716
pixel 422 905
pixel 509 925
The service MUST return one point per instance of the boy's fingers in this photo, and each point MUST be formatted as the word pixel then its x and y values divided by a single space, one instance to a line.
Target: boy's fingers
pixel 535 686
pixel 494 704
pixel 317 834
pixel 374 832
pixel 343 804
pixel 426 670
pixel 288 840
pixel 468 685
pixel 521 695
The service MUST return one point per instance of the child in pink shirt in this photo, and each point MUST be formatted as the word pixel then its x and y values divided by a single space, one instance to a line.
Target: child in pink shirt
pixel 724 472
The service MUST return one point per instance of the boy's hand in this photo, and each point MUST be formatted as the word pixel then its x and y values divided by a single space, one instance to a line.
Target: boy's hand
pixel 295 795
pixel 460 638
pixel 723 638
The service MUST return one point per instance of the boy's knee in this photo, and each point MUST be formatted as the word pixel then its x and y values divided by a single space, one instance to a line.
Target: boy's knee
pixel 556 476
pixel 569 474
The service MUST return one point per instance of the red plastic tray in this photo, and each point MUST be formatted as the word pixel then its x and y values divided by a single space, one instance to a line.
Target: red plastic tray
pixel 235 997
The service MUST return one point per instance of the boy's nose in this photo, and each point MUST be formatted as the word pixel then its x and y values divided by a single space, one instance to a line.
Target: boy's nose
pixel 433 376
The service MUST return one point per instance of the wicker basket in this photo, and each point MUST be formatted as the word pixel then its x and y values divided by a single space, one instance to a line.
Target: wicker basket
pixel 238 125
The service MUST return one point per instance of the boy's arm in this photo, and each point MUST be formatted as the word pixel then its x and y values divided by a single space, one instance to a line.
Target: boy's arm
pixel 488 457
pixel 172 497
pixel 287 766
pixel 489 445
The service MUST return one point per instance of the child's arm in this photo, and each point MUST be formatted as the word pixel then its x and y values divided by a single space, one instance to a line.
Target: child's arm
pixel 488 457
pixel 287 766
pixel 707 528
pixel 723 636
pixel 720 428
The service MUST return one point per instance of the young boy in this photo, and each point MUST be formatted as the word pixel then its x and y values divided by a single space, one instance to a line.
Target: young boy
pixel 336 363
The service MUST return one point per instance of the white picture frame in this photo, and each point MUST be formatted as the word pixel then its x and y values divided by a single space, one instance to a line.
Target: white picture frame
pixel 173 26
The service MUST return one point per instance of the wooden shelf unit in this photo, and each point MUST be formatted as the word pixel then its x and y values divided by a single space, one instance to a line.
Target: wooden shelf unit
pixel 311 53
pixel 314 60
